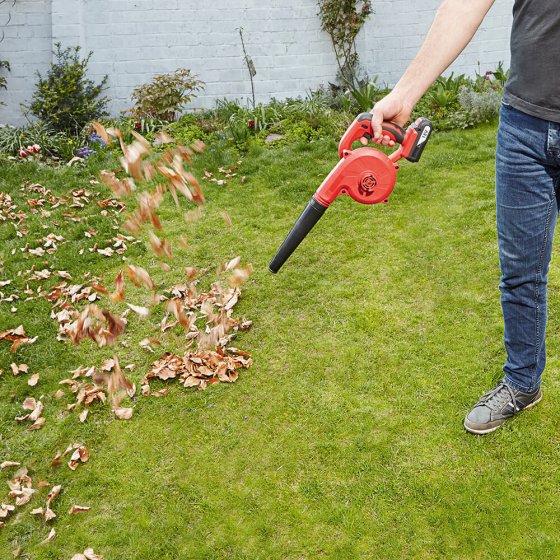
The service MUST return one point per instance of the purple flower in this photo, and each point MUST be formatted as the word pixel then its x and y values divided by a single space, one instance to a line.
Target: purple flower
pixel 95 139
pixel 84 152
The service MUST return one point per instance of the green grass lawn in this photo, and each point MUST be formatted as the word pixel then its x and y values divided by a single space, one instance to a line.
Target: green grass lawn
pixel 345 438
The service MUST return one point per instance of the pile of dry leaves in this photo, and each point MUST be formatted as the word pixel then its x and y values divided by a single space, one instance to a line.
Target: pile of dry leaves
pixel 203 317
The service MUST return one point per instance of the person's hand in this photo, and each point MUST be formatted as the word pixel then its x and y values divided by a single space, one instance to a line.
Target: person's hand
pixel 391 108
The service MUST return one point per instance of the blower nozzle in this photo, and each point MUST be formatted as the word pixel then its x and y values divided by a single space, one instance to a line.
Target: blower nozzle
pixel 307 219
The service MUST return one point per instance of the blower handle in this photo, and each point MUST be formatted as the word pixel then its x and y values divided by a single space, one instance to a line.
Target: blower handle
pixel 361 127
pixel 307 219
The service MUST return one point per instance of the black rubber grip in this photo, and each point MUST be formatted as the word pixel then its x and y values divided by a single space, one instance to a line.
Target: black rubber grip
pixel 395 130
pixel 307 219
pixel 392 128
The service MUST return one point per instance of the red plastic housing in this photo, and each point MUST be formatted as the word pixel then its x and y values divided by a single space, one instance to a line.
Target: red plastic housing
pixel 365 174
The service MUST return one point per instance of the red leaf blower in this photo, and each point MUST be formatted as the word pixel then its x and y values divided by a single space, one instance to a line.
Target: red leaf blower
pixel 365 174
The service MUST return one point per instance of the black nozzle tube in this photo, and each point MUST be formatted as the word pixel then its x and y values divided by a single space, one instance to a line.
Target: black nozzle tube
pixel 308 218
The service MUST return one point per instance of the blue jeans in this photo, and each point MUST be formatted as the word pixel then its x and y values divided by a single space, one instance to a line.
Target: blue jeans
pixel 527 184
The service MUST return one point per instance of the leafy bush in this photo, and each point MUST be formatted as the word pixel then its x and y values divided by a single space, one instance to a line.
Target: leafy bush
pixel 482 106
pixel 66 100
pixel 53 143
pixel 186 131
pixel 165 95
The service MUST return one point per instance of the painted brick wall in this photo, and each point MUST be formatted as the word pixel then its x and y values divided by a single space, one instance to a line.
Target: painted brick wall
pixel 134 39
pixel 26 45
pixel 384 56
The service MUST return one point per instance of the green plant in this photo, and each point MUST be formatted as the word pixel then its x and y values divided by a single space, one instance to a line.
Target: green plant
pixel 3 81
pixel 364 93
pixel 482 106
pixel 492 79
pixel 53 143
pixel 185 131
pixel 445 91
pixel 501 75
pixel 343 20
pixel 126 124
pixel 238 130
pixel 66 99
pixel 165 95
pixel 225 108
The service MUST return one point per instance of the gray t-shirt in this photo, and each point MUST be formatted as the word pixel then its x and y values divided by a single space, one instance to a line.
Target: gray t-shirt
pixel 534 81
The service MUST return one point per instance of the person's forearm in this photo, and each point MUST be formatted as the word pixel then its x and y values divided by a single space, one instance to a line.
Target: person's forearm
pixel 454 26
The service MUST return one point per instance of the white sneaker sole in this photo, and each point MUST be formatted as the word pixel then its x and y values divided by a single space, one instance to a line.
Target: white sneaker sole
pixel 489 430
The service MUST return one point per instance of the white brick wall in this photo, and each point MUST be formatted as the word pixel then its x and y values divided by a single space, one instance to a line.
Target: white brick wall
pixel 134 39
pixel 27 47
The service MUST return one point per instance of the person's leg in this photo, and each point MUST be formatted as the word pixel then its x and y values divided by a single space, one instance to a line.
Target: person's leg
pixel 526 212
pixel 527 178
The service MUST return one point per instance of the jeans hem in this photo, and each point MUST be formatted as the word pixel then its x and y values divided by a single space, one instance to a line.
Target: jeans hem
pixel 508 381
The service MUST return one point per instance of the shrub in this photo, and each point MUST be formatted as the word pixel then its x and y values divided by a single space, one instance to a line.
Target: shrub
pixel 66 100
pixel 53 143
pixel 165 95
pixel 186 131
pixel 482 106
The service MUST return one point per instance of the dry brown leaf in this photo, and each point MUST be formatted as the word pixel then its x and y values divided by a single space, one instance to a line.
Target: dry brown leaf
pixel 118 386
pixel 80 454
pixel 240 276
pixel 120 188
pixel 123 413
pixel 49 514
pixel 54 493
pixel 57 459
pixel 101 132
pixel 139 276
pixel 7 464
pixel 161 247
pixel 226 218
pixel 142 311
pixel 50 537
pixel 100 325
pixel 17 337
pixel 233 263
pixel 161 393
pixel 78 509
pixel 119 293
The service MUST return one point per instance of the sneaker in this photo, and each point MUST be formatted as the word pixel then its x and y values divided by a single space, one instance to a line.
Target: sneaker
pixel 497 406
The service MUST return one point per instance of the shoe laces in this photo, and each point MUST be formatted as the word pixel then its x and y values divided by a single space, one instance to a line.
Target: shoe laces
pixel 499 396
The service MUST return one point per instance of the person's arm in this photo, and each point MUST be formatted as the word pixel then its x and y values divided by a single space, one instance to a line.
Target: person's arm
pixel 454 26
